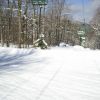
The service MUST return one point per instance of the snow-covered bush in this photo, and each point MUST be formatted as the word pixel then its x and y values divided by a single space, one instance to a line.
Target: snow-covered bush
pixel 62 44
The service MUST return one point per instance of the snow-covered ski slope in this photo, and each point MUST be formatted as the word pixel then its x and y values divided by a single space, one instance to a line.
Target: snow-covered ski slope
pixel 70 73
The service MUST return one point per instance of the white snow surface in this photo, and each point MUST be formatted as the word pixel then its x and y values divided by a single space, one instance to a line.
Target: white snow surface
pixel 58 73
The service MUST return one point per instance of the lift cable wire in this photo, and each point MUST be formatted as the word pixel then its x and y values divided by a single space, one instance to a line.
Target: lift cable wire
pixel 83 12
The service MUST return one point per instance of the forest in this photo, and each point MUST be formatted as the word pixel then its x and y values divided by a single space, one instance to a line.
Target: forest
pixel 22 21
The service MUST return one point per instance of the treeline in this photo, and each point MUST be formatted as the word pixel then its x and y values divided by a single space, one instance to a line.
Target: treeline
pixel 95 23
pixel 21 22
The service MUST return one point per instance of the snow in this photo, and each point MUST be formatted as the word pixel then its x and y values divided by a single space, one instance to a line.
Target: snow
pixel 58 73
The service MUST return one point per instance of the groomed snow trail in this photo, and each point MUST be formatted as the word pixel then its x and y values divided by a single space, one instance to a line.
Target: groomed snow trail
pixel 71 73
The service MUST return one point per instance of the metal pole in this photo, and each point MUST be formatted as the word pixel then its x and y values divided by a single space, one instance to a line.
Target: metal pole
pixel 40 21
pixel 44 20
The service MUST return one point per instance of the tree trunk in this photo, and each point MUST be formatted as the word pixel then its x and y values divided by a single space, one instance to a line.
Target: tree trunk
pixel 19 22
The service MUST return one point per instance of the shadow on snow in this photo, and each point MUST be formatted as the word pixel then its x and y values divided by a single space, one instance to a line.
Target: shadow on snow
pixel 12 62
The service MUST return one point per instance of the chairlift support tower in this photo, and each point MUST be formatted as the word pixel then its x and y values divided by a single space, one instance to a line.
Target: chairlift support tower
pixel 39 3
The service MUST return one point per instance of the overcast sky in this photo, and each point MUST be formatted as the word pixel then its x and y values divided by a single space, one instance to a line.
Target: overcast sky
pixel 89 9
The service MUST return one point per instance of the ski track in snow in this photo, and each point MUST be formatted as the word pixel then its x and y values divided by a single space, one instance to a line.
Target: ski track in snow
pixel 71 73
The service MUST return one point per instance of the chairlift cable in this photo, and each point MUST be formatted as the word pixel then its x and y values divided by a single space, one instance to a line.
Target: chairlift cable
pixel 83 10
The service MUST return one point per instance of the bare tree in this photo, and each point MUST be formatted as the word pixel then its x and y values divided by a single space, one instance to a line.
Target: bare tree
pixel 95 23
pixel 19 22
pixel 1 23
